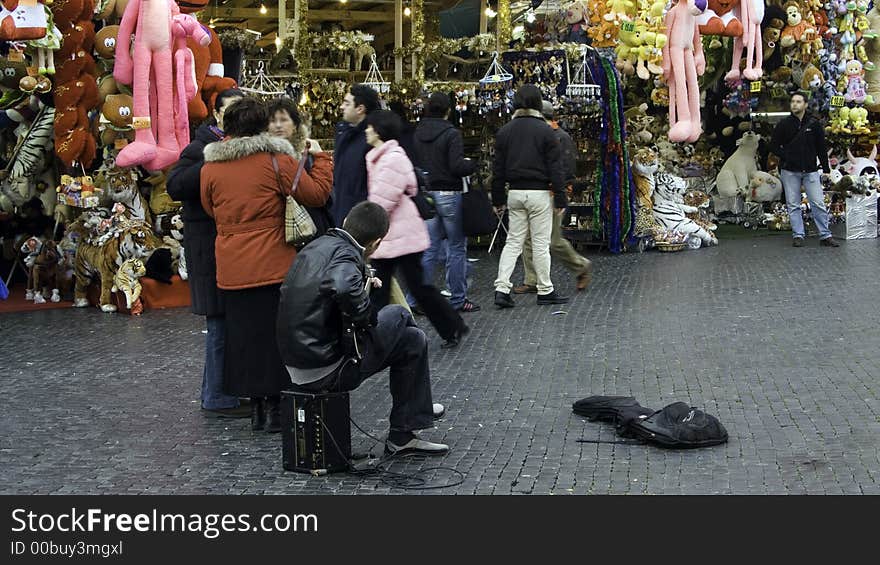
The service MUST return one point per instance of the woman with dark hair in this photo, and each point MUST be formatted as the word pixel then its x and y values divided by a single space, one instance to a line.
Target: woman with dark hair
pixel 245 182
pixel 198 242
pixel 391 182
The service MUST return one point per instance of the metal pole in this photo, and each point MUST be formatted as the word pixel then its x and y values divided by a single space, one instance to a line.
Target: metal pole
pixel 398 38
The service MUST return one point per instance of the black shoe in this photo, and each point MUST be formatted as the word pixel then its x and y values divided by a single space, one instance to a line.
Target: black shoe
pixel 503 300
pixel 234 412
pixel 797 242
pixel 552 298
pixel 828 242
pixel 455 339
pixel 273 414
pixel 258 414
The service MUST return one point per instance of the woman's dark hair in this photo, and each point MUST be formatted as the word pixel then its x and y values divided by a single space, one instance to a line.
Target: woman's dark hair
pixel 385 123
pixel 228 93
pixel 365 96
pixel 438 105
pixel 245 117
pixel 366 222
pixel 285 104
pixel 527 97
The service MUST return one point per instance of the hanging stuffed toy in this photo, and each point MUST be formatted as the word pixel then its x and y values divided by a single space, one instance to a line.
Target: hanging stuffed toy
pixel 751 13
pixel 683 61
pixel 22 20
pixel 149 70
pixel 720 19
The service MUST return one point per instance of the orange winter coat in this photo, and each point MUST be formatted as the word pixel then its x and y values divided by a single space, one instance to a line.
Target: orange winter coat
pixel 240 191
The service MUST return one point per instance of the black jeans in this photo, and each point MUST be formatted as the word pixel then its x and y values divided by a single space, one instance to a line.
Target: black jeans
pixel 395 342
pixel 442 315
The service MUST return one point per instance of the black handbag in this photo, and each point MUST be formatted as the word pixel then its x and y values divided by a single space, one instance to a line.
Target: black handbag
pixel 477 216
pixel 423 200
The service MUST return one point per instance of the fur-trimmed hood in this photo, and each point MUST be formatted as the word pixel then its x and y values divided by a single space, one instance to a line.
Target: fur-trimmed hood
pixel 240 147
pixel 527 113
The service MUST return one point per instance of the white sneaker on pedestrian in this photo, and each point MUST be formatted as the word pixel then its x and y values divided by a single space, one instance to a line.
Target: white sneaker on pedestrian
pixel 439 410
pixel 446 293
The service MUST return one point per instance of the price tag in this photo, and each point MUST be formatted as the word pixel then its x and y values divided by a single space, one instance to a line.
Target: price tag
pixel 838 101
pixel 140 122
pixel 15 56
pixel 627 26
pixel 755 86
pixel 778 92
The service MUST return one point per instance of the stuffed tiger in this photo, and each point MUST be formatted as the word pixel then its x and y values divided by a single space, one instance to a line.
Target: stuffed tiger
pixel 127 280
pixel 699 200
pixel 644 165
pixel 670 209
pixel 134 241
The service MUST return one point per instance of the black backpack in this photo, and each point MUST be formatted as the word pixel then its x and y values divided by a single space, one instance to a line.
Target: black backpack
pixel 617 410
pixel 680 426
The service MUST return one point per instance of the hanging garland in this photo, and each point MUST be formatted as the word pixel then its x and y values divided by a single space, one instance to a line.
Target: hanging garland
pixel 434 50
pixel 613 190
pixel 234 38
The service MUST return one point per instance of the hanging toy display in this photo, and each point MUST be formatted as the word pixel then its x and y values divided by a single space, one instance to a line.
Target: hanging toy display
pixel 683 61
pixel 495 94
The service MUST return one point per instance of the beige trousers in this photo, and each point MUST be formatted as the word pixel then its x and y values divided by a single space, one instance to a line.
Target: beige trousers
pixel 531 215
pixel 560 250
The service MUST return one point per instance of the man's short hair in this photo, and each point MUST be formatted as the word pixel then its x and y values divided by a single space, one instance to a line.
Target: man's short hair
pixel 386 124
pixel 797 93
pixel 547 110
pixel 438 105
pixel 365 96
pixel 245 117
pixel 527 97
pixel 366 222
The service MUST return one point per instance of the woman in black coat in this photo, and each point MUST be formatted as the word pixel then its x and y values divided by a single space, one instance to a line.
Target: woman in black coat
pixel 198 240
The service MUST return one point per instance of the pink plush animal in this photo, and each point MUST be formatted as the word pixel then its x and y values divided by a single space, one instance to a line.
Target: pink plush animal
pixel 150 73
pixel 183 26
pixel 683 61
pixel 751 14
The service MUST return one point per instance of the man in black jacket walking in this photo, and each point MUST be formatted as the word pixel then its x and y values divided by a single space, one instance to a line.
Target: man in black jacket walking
pixel 440 151
pixel 799 141
pixel 528 159
pixel 331 339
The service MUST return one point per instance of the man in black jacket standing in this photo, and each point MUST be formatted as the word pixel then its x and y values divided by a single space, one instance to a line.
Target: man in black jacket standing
pixel 198 243
pixel 439 150
pixel 528 159
pixel 350 151
pixel 325 294
pixel 799 141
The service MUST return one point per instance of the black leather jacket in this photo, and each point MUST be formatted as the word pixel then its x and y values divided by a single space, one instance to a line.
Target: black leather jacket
pixel 323 292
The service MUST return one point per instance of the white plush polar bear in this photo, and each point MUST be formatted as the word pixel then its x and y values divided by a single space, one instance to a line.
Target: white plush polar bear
pixel 736 173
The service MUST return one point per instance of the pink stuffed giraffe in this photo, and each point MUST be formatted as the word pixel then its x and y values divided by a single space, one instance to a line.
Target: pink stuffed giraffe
pixel 150 73
pixel 751 14
pixel 683 61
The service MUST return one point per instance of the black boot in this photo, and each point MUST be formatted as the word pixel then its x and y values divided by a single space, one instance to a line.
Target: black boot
pixel 273 414
pixel 258 414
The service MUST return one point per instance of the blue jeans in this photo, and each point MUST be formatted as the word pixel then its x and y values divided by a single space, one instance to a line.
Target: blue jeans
pixel 791 183
pixel 213 397
pixel 447 224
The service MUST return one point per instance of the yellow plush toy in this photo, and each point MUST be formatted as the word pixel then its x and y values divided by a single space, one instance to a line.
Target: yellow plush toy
pixel 651 55
pixel 858 119
pixel 628 50
pixel 840 121
pixel 620 10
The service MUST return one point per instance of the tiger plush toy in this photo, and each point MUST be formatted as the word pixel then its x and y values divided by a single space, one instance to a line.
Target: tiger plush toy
pixel 644 165
pixel 699 200
pixel 127 280
pixel 134 241
pixel 670 209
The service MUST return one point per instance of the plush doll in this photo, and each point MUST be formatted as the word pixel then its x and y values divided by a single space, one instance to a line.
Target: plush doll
pixel 110 9
pixel 720 19
pixel 872 47
pixel 736 173
pixel 637 122
pixel 751 14
pixel 627 51
pixel 115 121
pixel 105 42
pixel 764 187
pixel 839 122
pixel 650 55
pixel 149 71
pixel 20 21
pixel 46 46
pixel 670 211
pixel 683 61
pixel 862 166
pixel 185 88
pixel 619 10
pixel 576 18
pixel 858 119
pixel 44 274
pixel 856 87
pixel 127 280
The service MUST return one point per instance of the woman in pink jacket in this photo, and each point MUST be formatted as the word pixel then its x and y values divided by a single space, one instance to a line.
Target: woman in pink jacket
pixel 391 182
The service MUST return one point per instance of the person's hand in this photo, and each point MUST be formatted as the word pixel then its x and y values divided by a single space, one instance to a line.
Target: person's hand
pixel 313 146
pixel 375 282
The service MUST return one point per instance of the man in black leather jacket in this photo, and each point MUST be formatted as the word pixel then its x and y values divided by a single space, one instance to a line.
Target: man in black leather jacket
pixel 331 339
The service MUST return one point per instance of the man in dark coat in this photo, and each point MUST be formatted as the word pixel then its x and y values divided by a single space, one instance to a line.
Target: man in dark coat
pixel 198 240
pixel 350 151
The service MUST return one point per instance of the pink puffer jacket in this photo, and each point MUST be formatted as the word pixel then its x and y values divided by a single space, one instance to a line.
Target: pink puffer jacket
pixel 391 181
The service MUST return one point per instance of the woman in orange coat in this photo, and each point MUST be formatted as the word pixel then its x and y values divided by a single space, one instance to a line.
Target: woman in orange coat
pixel 246 197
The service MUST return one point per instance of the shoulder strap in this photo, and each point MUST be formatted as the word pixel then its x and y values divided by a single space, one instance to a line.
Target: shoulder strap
pixel 299 171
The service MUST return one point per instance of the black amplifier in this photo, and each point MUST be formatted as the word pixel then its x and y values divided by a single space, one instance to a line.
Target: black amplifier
pixel 315 432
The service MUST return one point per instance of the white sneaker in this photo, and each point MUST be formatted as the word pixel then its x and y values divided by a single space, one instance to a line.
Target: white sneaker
pixel 446 293
pixel 439 410
pixel 416 446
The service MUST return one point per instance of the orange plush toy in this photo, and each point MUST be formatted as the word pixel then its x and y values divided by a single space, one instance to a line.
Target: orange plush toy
pixel 209 68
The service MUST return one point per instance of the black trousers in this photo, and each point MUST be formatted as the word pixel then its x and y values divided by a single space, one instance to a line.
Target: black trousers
pixel 395 342
pixel 441 314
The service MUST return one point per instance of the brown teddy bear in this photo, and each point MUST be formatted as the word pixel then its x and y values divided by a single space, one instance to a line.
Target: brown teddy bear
pixel 68 12
pixel 113 9
pixel 105 42
pixel 116 120
pixel 80 36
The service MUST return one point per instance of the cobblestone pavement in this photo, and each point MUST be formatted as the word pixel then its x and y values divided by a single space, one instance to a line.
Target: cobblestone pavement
pixel 780 343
